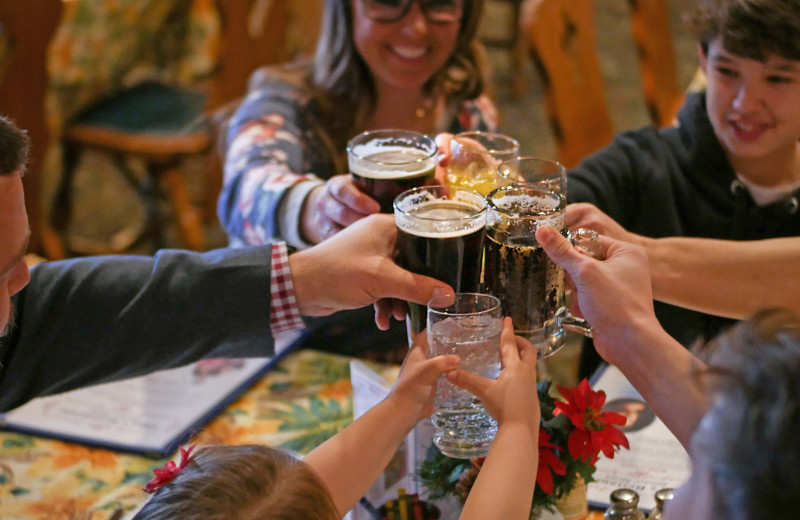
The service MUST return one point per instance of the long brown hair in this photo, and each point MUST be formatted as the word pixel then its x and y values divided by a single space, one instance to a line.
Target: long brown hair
pixel 249 482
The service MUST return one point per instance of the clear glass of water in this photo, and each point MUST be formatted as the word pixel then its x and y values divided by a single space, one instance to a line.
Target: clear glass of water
pixel 470 328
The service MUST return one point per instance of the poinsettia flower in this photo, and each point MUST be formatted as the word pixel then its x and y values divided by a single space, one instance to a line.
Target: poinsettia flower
pixel 594 429
pixel 549 463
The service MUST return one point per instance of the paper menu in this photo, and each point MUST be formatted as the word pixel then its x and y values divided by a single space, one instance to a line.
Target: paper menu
pixel 145 414
pixel 148 415
pixel 655 460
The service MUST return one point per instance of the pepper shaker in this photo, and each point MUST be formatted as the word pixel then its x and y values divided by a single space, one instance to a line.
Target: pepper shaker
pixel 662 496
pixel 624 506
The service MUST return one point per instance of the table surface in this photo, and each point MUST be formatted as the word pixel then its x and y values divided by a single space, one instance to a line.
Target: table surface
pixel 303 401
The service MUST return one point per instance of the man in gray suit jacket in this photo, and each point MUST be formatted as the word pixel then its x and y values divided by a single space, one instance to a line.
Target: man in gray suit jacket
pixel 85 321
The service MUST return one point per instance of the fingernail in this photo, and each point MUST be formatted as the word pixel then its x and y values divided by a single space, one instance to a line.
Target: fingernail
pixel 443 293
pixel 545 234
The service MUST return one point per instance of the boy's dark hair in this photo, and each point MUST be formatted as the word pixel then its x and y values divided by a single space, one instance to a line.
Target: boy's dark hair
pixel 754 378
pixel 249 482
pixel 752 29
pixel 13 147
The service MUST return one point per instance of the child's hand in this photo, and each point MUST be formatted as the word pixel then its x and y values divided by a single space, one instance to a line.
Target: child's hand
pixel 512 397
pixel 415 387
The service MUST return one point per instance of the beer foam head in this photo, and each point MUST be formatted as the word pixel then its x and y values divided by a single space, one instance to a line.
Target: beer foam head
pixel 375 160
pixel 516 212
pixel 441 218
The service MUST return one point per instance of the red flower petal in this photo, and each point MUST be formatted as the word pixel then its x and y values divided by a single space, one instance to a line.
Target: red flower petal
pixel 616 437
pixel 576 443
pixel 545 479
pixel 613 418
pixel 599 400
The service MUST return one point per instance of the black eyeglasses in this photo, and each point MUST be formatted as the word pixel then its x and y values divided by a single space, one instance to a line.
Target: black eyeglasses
pixel 436 11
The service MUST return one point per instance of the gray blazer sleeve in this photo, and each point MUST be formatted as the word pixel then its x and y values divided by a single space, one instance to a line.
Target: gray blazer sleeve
pixel 99 319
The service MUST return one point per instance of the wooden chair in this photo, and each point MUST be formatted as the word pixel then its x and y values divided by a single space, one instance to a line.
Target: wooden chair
pixel 500 29
pixel 651 32
pixel 163 125
pixel 559 35
pixel 25 33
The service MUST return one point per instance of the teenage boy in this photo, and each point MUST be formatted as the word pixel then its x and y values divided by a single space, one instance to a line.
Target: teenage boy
pixel 730 171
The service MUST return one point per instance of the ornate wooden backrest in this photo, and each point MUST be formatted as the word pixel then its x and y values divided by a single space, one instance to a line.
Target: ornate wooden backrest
pixel 560 38
pixel 651 32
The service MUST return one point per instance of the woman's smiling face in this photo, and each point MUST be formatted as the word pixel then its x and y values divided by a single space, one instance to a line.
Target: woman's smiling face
pixel 405 54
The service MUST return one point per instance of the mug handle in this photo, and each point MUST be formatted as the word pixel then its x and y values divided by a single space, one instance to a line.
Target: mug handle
pixel 588 241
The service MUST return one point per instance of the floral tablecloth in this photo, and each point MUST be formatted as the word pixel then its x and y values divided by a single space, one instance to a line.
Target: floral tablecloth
pixel 305 400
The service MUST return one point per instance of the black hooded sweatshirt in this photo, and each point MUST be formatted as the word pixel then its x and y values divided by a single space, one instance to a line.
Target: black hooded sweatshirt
pixel 677 181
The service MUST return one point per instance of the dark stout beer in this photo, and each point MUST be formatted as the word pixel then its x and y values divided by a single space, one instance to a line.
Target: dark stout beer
pixel 385 175
pixel 439 239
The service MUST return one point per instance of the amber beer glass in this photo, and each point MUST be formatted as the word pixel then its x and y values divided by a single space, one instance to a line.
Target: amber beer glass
pixel 440 234
pixel 475 158
pixel 385 163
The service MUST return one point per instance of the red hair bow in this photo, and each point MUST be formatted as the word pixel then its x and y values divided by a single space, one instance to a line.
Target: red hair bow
pixel 166 474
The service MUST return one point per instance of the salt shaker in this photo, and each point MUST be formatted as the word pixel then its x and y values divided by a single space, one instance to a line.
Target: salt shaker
pixel 624 506
pixel 662 496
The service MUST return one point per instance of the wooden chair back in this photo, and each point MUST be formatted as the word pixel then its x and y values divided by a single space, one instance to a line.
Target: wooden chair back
pixel 651 32
pixel 25 33
pixel 253 33
pixel 559 35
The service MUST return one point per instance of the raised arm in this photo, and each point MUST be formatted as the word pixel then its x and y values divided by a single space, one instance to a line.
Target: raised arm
pixel 276 162
pixel 616 299
pixel 99 319
pixel 727 278
pixel 350 461
pixel 266 177
pixel 504 487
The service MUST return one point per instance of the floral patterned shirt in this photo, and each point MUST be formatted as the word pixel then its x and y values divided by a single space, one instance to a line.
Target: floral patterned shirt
pixel 277 153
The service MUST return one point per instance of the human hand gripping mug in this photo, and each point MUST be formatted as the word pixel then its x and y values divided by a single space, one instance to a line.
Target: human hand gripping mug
pixel 385 163
pixel 519 272
pixel 469 328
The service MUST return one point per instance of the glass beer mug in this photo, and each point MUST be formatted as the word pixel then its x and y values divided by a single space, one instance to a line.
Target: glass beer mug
pixel 519 272
pixel 475 157
pixel 440 234
pixel 544 173
pixel 385 163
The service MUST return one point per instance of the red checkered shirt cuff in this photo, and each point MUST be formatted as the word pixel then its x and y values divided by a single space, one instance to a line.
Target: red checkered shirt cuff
pixel 284 314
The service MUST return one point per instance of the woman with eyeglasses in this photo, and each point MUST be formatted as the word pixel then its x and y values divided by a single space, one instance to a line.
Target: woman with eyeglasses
pixel 408 64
